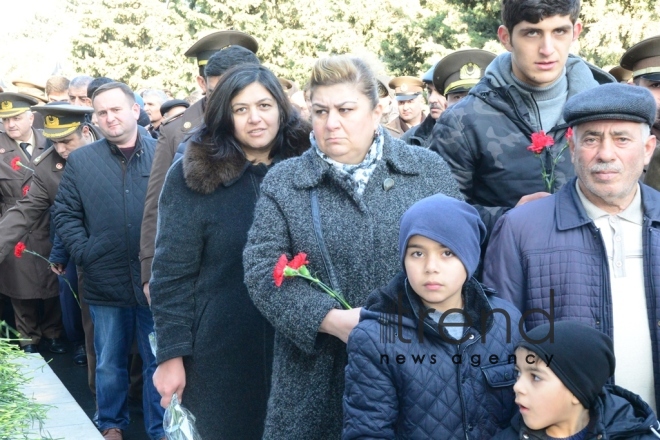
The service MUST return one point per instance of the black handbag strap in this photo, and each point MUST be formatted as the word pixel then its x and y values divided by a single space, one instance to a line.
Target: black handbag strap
pixel 316 221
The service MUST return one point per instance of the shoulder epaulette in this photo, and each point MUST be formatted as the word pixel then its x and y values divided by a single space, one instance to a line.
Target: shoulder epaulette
pixel 173 118
pixel 43 155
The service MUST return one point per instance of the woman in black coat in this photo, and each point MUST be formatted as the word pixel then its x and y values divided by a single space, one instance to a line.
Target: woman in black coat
pixel 214 347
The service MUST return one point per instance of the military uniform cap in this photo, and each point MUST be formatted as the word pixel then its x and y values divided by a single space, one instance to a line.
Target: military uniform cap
pixel 643 59
pixel 288 86
pixel 383 86
pixel 206 46
pixel 60 120
pixel 461 70
pixel 619 73
pixel 611 101
pixel 428 76
pixel 13 104
pixel 169 105
pixel 406 87
pixel 36 91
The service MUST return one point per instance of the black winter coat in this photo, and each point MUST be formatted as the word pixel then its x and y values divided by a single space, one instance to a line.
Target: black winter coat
pixel 98 212
pixel 201 307
pixel 425 390
pixel 420 135
pixel 618 414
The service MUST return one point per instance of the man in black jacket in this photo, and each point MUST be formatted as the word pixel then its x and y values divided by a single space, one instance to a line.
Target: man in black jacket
pixel 98 211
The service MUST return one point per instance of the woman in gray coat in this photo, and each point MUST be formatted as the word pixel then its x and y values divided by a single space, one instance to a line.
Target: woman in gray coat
pixel 359 181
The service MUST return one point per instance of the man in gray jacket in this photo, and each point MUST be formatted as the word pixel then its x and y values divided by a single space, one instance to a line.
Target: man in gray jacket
pixel 591 252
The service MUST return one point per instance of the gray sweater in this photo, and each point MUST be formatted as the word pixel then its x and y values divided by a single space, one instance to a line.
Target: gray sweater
pixel 361 236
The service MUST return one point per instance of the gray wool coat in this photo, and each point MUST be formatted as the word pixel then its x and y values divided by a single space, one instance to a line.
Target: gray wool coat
pixel 361 235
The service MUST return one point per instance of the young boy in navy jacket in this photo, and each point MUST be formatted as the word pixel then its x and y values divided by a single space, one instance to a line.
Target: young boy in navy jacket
pixel 561 394
pixel 432 355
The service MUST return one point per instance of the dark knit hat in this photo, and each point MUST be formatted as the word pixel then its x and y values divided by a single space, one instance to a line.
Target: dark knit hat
pixel 582 357
pixel 451 222
pixel 611 101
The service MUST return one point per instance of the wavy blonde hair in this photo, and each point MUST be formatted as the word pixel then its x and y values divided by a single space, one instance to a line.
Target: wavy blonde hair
pixel 343 69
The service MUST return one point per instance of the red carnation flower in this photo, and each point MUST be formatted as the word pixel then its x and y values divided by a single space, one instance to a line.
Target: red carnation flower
pixel 19 249
pixel 26 188
pixel 278 272
pixel 569 132
pixel 15 163
pixel 298 261
pixel 540 140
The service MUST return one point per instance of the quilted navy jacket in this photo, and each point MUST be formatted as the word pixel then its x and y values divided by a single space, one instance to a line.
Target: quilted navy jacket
pixel 551 244
pixel 403 383
pixel 98 213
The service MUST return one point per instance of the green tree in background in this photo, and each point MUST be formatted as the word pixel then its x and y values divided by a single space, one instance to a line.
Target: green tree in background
pixel 137 42
pixel 142 42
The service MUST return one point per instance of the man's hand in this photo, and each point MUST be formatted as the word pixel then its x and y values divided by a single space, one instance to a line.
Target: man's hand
pixel 145 289
pixel 340 323
pixel 170 378
pixel 58 268
pixel 531 197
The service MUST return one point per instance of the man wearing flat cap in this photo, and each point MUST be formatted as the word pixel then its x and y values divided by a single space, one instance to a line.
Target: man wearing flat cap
pixel 173 109
pixel 591 252
pixel 408 92
pixel 66 127
pixel 215 54
pixel 643 59
pixel 27 281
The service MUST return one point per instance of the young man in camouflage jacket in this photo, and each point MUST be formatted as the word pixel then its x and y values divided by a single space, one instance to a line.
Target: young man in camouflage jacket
pixel 484 138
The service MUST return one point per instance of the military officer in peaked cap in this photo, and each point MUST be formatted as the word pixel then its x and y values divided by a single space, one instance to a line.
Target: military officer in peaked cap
pixel 621 75
pixel 66 127
pixel 408 92
pixel 459 71
pixel 643 59
pixel 451 78
pixel 36 91
pixel 27 280
pixel 174 131
pixel 437 104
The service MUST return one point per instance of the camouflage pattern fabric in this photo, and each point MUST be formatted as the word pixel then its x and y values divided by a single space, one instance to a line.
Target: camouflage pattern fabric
pixel 484 139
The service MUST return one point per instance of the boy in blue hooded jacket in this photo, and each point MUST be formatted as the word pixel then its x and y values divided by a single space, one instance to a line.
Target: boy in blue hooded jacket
pixel 432 356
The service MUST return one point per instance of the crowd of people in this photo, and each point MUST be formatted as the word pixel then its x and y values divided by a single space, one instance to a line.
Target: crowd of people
pixel 492 230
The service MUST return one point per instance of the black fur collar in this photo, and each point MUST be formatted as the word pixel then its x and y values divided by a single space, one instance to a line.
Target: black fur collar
pixel 204 173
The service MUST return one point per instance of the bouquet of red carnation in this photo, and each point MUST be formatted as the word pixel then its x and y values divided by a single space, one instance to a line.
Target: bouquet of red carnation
pixel 297 267
pixel 20 249
pixel 540 141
